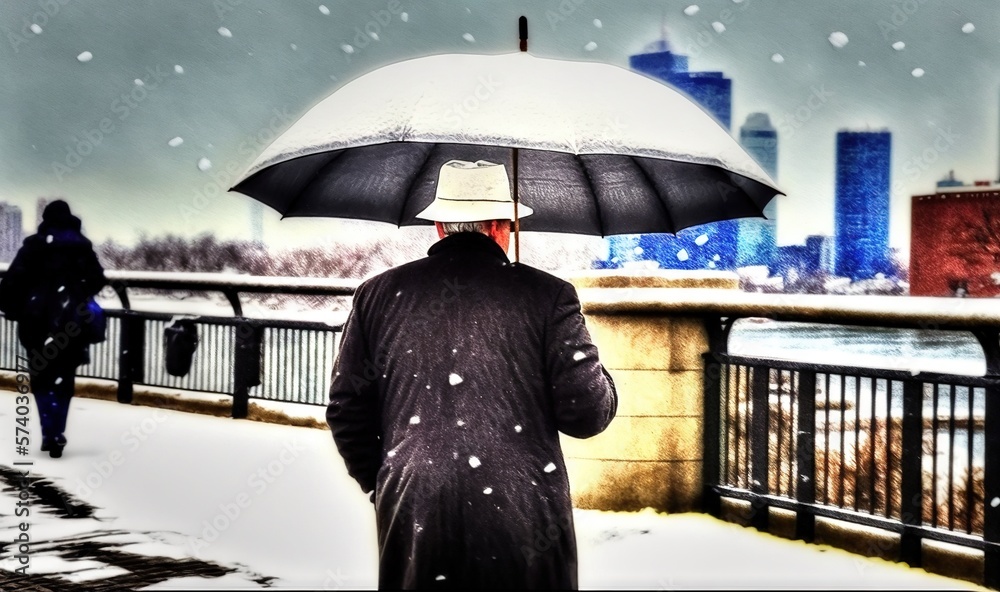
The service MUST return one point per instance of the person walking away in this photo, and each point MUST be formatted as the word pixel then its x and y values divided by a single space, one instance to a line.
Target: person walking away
pixel 46 290
pixel 455 375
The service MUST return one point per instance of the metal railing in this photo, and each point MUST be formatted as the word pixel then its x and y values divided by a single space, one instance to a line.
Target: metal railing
pixel 245 358
pixel 912 453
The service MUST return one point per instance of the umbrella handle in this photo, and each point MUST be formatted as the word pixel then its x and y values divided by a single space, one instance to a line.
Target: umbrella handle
pixel 517 220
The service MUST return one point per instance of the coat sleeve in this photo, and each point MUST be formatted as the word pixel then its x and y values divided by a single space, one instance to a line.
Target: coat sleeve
pixel 94 279
pixel 584 396
pixel 353 411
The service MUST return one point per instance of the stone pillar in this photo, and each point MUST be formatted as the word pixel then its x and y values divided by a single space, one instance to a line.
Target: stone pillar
pixel 650 455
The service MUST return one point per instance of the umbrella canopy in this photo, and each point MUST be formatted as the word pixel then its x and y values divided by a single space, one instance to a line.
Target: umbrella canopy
pixel 599 149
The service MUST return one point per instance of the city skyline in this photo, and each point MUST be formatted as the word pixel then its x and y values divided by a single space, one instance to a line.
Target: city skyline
pixel 203 95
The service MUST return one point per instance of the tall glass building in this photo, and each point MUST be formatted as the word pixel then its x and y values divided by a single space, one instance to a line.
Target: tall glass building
pixel 862 203
pixel 708 246
pixel 758 237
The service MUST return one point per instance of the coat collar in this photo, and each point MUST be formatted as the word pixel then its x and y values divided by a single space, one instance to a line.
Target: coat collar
pixel 468 241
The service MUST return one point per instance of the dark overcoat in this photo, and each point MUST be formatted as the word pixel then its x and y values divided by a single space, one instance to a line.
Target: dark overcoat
pixel 54 271
pixel 455 374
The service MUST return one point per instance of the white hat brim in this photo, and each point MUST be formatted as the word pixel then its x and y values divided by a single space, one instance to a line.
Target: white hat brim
pixel 443 210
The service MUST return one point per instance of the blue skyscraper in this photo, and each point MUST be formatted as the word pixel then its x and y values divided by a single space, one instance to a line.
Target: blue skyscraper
pixel 708 246
pixel 862 204
pixel 758 237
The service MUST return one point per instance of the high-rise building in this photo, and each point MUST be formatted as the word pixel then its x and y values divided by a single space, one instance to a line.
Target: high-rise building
pixel 257 222
pixel 707 246
pixel 11 231
pixel 862 203
pixel 758 236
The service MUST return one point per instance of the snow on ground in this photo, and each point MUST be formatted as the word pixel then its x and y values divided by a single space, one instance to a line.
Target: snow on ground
pixel 274 506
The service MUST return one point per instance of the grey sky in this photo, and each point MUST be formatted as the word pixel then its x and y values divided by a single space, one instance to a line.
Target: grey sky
pixel 235 92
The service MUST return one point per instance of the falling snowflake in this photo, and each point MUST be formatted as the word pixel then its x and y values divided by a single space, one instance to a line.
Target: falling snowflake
pixel 517 429
pixel 550 467
pixel 391 453
pixel 439 578
pixel 460 423
pixel 474 462
pixel 324 9
pixel 838 39
pixel 139 82
pixel 175 142
pixel 347 48
pixel 862 64
pixel 61 288
pixel 36 29
pixel 415 420
pixel 296 47
pixel 899 46
pixel 719 27
pixel 598 23
pixel 966 28
pixel 488 490
pixel 454 351
pixel 682 255
pixel 454 379
pixel 637 250
pixel 178 69
pixel 590 46
pixel 59 380
pixel 225 32
pixel 579 356
pixel 691 10
pixel 468 37
pixel 701 240
pixel 204 164
pixel 404 17
pixel 917 72
pixel 995 502
pixel 85 57
pixel 778 58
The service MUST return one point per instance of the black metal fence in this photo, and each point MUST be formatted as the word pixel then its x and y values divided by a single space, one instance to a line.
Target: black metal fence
pixel 908 452
pixel 246 358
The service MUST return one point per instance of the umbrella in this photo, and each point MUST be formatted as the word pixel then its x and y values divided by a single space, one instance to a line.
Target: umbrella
pixel 593 148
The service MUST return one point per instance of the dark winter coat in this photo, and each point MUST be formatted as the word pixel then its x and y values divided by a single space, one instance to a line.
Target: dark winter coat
pixel 455 374
pixel 52 274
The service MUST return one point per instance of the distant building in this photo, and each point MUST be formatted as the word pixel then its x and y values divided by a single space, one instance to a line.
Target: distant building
pixel 862 204
pixel 813 258
pixel 757 237
pixel 950 181
pixel 11 231
pixel 256 222
pixel 707 246
pixel 953 249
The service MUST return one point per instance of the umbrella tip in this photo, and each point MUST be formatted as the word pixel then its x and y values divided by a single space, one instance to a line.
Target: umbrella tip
pixel 522 28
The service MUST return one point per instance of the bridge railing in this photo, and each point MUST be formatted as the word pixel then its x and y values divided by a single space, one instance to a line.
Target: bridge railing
pixel 240 356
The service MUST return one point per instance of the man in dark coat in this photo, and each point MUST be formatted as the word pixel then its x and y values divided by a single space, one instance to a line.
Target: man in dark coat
pixel 455 374
pixel 46 289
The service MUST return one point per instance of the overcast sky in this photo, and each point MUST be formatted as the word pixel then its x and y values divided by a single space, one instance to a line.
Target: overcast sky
pixel 273 61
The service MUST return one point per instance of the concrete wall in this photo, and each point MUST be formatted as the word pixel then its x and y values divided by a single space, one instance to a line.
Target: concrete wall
pixel 650 455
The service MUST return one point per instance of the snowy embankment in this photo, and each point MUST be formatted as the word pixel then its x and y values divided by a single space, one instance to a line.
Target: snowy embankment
pixel 238 504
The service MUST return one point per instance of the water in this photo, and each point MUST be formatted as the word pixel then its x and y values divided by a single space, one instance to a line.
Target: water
pixel 912 350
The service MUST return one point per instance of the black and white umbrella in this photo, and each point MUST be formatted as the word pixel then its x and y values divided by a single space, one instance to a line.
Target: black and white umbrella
pixel 593 148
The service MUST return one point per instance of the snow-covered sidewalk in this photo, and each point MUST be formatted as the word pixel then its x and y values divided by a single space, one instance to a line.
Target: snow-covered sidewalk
pixel 172 500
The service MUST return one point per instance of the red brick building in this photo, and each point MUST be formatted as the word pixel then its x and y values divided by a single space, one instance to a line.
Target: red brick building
pixel 955 242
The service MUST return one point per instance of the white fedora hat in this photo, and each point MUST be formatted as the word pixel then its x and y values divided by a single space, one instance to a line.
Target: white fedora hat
pixel 472 192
